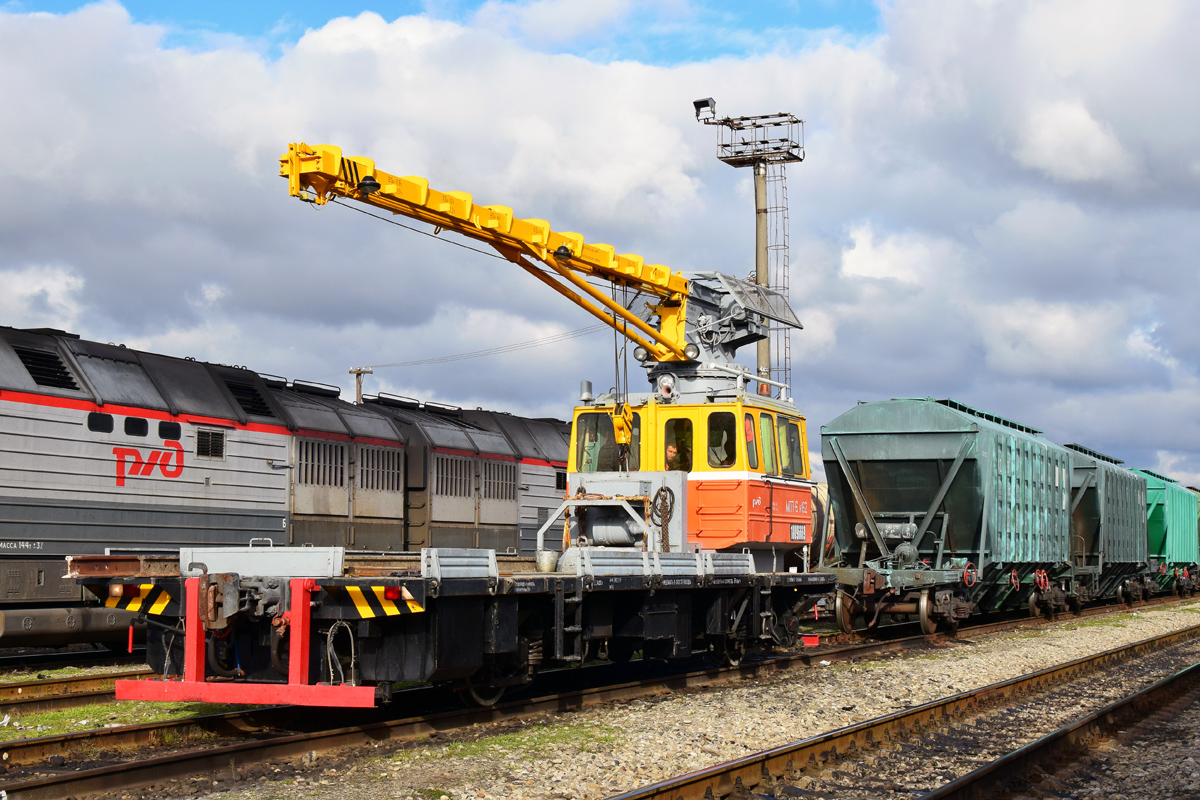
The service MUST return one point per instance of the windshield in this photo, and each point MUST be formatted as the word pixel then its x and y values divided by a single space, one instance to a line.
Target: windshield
pixel 596 448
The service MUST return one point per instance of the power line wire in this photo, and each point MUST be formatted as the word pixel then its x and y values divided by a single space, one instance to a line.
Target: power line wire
pixel 509 348
pixel 560 337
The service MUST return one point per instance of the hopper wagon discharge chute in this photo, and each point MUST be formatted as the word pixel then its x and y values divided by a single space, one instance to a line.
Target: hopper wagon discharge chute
pixel 686 521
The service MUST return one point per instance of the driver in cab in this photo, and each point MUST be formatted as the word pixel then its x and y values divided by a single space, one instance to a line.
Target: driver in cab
pixel 678 457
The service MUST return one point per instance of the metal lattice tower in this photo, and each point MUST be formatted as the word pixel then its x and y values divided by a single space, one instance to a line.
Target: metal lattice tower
pixel 779 268
pixel 767 142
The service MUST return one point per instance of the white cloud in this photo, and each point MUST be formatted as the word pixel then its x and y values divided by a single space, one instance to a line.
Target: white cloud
pixel 993 204
pixel 904 257
pixel 1057 341
pixel 1065 142
pixel 40 297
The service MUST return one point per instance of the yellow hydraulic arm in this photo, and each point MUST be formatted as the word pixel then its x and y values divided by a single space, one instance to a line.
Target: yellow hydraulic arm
pixel 318 172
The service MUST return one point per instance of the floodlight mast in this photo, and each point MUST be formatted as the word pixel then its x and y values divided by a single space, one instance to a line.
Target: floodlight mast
pixel 762 142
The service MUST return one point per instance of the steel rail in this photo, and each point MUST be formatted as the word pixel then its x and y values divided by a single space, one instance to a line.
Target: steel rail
pixel 25 697
pixel 1008 773
pixel 75 658
pixel 744 774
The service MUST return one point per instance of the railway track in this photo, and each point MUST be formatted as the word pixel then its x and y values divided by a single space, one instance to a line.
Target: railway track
pixel 970 745
pixel 58 693
pixel 27 697
pixel 277 727
pixel 74 658
pixel 1038 768
pixel 1163 730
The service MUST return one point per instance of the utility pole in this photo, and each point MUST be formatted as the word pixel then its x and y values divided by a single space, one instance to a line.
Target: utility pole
pixel 766 142
pixel 358 373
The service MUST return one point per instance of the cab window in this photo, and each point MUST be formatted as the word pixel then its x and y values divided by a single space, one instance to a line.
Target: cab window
pixel 766 431
pixel 677 445
pixel 722 439
pixel 596 448
pixel 635 443
pixel 791 459
pixel 595 445
pixel 751 442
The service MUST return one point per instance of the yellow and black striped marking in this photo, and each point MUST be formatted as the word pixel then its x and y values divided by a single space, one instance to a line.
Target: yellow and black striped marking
pixel 150 599
pixel 371 602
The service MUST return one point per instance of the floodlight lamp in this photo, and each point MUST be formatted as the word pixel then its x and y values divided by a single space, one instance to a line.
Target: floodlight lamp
pixel 563 253
pixel 691 351
pixel 706 108
pixel 641 354
pixel 368 185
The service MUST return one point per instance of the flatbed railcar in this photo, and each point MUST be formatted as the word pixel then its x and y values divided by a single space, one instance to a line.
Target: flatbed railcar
pixel 321 626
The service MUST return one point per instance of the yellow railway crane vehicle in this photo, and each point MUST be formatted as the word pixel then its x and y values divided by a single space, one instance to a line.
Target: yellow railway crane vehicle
pixel 736 460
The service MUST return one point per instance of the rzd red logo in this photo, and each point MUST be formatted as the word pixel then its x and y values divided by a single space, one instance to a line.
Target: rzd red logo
pixel 144 467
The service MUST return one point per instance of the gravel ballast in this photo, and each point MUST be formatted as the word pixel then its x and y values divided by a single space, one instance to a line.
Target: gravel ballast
pixel 599 752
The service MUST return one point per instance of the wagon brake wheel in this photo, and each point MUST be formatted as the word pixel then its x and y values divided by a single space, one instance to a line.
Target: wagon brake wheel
pixel 929 625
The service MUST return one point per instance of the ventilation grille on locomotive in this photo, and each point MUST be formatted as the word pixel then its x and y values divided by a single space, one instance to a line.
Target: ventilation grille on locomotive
pixel 499 480
pixel 210 444
pixel 46 368
pixel 320 463
pixel 452 476
pixel 249 399
pixel 380 469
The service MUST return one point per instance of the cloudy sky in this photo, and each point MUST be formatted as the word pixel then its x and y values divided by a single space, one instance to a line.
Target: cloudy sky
pixel 999 201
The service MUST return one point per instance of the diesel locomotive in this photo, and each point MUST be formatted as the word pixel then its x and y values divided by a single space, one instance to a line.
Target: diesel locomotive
pixel 108 449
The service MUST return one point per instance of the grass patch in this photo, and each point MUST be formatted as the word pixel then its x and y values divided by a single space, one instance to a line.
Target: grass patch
pixel 519 744
pixel 84 718
pixel 24 674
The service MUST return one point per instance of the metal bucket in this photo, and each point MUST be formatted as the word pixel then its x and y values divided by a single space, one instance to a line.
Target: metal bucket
pixel 546 560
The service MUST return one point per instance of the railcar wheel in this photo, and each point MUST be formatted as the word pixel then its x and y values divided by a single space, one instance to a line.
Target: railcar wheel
pixel 844 611
pixel 929 624
pixel 481 694
pixel 1034 604
pixel 732 654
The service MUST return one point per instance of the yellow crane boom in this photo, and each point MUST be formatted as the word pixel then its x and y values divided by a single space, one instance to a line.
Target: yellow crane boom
pixel 318 172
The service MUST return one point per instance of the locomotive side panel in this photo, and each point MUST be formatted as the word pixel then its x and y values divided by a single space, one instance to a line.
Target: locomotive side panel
pixel 542 487
pixel 75 481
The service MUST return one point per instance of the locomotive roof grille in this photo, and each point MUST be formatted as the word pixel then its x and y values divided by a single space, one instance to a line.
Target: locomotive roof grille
pixel 1088 452
pixel 974 412
pixel 46 368
pixel 249 399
